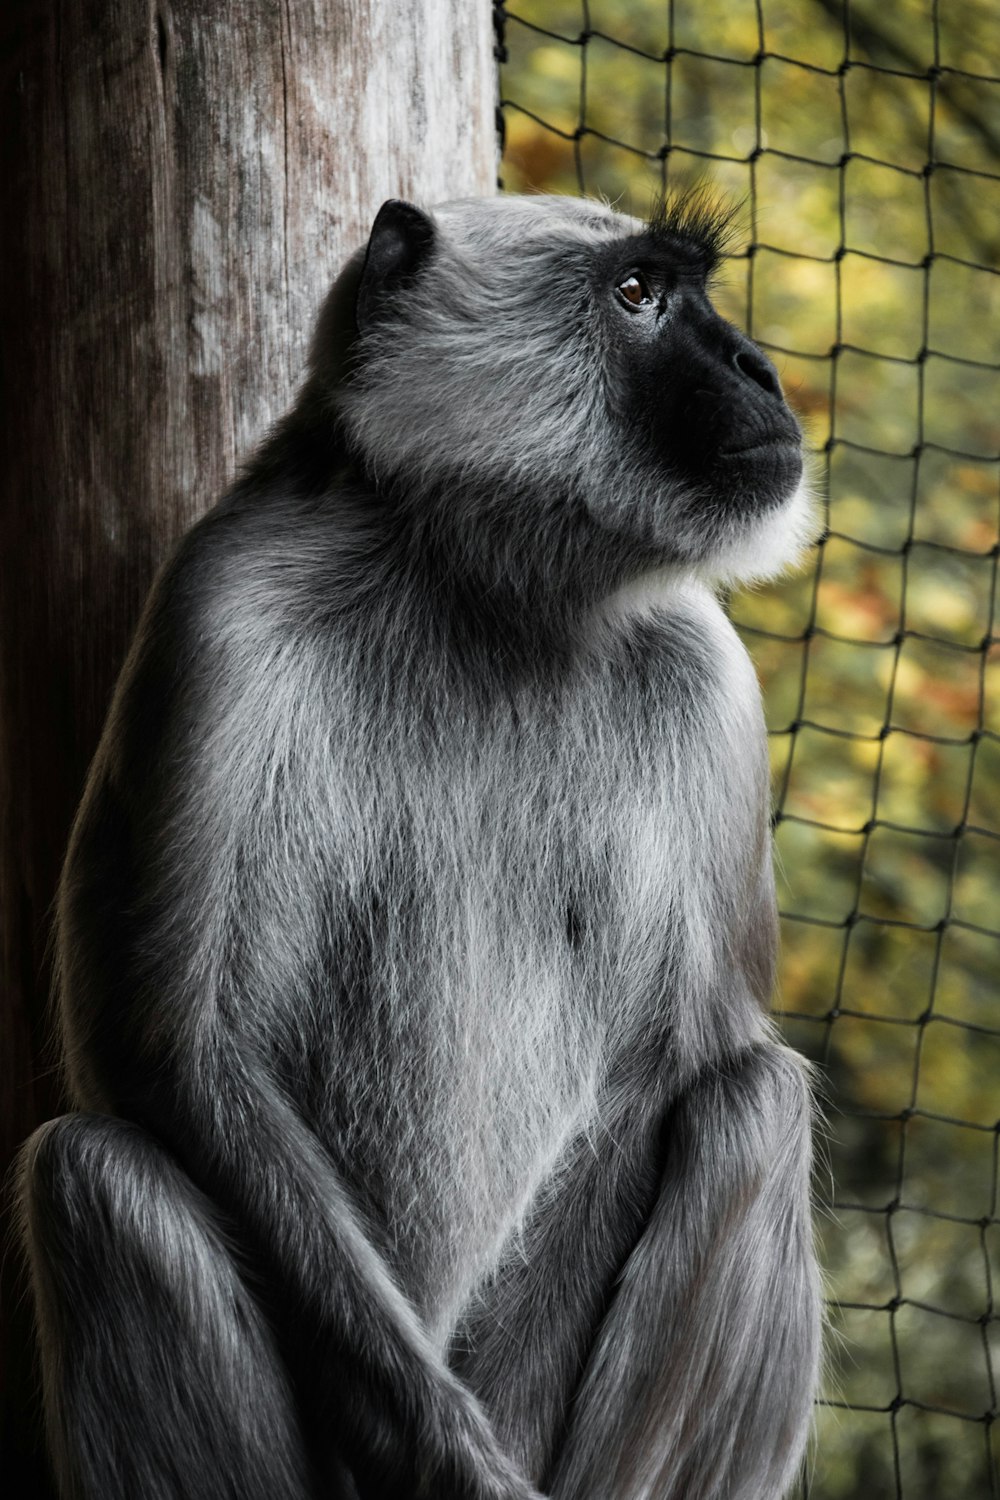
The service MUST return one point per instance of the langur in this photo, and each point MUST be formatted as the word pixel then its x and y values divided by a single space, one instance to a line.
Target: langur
pixel 417 929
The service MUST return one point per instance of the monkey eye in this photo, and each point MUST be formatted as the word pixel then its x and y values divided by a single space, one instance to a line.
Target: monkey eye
pixel 633 290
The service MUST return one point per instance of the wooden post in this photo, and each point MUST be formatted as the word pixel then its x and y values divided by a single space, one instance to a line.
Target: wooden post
pixel 179 183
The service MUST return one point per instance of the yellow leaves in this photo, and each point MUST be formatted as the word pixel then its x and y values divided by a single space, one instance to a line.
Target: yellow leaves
pixel 859 592
pixel 959 1072
pixel 882 307
pixel 534 157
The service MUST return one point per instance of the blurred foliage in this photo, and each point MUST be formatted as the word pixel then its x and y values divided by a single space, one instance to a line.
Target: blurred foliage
pixel 867 158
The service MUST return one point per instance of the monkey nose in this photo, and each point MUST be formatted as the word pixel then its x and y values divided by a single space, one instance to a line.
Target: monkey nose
pixel 755 365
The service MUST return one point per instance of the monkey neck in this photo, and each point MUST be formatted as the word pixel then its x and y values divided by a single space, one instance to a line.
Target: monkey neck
pixel 303 453
pixel 530 586
pixel 509 578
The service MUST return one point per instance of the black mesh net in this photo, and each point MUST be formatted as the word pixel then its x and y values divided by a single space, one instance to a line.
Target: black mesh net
pixel 865 142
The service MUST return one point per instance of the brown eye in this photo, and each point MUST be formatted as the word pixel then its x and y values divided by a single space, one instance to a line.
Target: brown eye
pixel 634 291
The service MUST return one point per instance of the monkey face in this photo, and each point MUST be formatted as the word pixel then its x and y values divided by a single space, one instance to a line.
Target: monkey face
pixel 541 363
pixel 702 403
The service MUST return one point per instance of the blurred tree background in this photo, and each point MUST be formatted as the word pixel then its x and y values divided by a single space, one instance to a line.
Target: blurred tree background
pixel 864 142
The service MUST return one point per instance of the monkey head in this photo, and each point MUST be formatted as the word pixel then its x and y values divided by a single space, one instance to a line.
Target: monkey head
pixel 548 365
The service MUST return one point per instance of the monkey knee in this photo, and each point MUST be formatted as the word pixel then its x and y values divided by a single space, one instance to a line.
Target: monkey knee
pixel 162 1377
pixel 94 1187
pixel 774 1102
pixel 751 1119
pixel 77 1163
pixel 781 1079
pixel 60 1173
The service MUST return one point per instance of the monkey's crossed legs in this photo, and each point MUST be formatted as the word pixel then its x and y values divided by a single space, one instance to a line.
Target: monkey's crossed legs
pixel 169 1382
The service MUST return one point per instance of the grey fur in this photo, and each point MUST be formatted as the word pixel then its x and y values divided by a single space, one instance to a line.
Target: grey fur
pixel 418 924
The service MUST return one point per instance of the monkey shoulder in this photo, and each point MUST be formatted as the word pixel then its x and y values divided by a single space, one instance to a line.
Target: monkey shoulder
pixel 209 794
pixel 693 827
pixel 229 640
pixel 224 694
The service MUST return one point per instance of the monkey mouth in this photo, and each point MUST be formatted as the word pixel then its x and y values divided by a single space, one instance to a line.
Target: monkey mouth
pixel 768 470
pixel 786 445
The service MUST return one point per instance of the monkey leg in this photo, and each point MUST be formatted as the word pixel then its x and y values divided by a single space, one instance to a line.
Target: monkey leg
pixel 701 1382
pixel 160 1374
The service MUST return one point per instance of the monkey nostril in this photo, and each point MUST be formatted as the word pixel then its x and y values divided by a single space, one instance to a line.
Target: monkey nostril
pixel 757 369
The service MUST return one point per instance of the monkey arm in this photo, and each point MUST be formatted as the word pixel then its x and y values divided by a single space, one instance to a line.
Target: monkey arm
pixel 404 1420
pixel 524 1343
pixel 701 1381
pixel 165 900
pixel 649 1336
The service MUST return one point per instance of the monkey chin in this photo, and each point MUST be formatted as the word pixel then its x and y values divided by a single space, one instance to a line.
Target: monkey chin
pixel 766 544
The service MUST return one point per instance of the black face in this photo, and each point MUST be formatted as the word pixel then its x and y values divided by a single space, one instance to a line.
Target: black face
pixel 699 397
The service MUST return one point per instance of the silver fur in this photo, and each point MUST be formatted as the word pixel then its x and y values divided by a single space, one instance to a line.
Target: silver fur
pixel 414 943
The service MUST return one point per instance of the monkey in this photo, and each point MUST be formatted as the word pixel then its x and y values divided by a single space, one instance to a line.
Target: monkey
pixel 416 937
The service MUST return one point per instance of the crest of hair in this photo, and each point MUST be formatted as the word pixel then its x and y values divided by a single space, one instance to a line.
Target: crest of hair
pixel 699 214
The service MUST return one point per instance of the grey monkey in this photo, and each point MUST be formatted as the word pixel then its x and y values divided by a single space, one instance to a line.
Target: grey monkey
pixel 417 928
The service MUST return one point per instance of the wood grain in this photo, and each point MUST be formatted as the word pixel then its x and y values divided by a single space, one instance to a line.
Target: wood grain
pixel 179 184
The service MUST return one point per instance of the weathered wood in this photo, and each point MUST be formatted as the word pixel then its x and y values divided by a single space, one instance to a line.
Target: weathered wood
pixel 178 183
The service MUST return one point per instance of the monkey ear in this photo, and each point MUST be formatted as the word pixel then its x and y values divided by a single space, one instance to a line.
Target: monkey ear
pixel 400 242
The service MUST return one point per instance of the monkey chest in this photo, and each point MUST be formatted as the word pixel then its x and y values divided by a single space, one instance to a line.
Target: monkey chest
pixel 536 907
pixel 589 856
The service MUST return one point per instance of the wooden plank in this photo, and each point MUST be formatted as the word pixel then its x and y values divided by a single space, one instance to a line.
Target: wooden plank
pixel 179 184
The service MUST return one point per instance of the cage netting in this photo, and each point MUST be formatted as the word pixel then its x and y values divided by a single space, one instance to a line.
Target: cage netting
pixel 864 141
